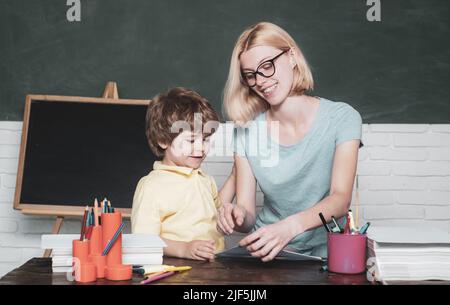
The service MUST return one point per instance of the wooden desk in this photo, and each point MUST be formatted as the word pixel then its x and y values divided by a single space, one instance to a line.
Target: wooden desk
pixel 38 271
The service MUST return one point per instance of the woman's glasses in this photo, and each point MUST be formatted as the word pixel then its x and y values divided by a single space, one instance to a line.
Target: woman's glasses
pixel 265 69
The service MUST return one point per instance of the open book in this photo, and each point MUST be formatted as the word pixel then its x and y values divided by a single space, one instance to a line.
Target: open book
pixel 241 252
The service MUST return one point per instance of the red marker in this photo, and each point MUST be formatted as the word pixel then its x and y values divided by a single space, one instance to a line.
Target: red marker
pixel 347 225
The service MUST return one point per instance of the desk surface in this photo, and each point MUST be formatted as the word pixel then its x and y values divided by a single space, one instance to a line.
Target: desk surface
pixel 220 272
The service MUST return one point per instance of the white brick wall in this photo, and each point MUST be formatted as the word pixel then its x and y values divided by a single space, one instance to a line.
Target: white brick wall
pixel 404 178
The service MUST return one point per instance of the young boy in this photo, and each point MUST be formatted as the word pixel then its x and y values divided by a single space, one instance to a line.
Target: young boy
pixel 177 200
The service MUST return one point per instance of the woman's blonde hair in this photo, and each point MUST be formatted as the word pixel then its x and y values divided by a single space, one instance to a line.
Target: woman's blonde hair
pixel 240 103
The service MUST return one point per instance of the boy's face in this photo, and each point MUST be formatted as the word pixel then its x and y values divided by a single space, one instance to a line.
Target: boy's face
pixel 188 149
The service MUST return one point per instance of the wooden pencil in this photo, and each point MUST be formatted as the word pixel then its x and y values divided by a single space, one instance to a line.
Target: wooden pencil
pixel 83 223
pixel 96 212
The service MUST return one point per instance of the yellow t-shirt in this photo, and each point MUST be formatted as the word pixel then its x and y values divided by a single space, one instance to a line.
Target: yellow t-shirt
pixel 177 203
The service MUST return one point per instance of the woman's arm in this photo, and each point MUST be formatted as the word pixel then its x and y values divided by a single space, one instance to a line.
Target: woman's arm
pixel 245 192
pixel 338 201
pixel 228 190
pixel 240 216
pixel 267 241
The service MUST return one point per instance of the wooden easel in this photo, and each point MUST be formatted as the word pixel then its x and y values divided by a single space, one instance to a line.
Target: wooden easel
pixel 110 92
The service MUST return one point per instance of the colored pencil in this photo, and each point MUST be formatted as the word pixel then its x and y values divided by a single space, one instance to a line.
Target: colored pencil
pixel 157 277
pixel 148 271
pixel 90 224
pixel 83 223
pixel 364 228
pixel 96 212
pixel 113 239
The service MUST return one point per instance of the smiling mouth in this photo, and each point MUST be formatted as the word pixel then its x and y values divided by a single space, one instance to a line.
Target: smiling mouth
pixel 270 89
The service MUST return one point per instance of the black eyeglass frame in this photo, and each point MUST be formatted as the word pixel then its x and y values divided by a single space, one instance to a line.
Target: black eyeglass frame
pixel 272 61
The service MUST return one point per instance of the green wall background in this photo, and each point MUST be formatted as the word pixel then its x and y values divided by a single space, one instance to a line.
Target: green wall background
pixel 393 71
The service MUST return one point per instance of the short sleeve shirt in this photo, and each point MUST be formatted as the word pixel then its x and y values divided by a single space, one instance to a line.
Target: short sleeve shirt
pixel 294 178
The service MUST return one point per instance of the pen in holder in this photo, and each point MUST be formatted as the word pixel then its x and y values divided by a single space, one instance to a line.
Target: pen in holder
pixel 347 253
pixel 114 270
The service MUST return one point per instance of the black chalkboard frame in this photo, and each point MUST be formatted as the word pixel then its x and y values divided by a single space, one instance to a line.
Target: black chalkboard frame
pixel 47 209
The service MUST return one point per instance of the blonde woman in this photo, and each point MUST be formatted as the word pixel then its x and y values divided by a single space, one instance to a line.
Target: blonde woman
pixel 315 142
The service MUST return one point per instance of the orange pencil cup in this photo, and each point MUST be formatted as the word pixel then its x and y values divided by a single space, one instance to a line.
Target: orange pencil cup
pixel 80 250
pixel 99 262
pixel 114 269
pixel 84 271
pixel 110 223
pixel 95 251
pixel 96 241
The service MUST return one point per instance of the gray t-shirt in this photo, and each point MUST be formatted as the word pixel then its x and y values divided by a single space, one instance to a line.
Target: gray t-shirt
pixel 294 178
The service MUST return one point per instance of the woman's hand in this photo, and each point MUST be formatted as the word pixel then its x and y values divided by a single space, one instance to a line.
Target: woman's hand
pixel 200 250
pixel 268 241
pixel 230 216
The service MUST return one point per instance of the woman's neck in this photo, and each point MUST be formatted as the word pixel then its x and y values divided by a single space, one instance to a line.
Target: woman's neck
pixel 294 111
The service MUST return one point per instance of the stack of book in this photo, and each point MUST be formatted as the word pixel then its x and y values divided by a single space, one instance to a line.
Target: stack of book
pixel 137 249
pixel 408 254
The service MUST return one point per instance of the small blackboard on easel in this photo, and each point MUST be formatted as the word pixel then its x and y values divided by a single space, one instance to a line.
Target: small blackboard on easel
pixel 75 149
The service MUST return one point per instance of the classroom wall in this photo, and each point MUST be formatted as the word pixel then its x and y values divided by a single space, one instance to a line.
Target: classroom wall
pixel 393 71
pixel 404 178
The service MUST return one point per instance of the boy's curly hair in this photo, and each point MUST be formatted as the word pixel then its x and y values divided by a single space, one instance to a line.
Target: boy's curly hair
pixel 177 104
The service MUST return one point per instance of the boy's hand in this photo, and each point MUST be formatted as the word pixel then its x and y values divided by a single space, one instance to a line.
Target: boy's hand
pixel 200 250
pixel 230 215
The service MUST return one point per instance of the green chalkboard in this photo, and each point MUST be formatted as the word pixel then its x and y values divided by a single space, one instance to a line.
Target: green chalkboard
pixel 396 70
pixel 77 149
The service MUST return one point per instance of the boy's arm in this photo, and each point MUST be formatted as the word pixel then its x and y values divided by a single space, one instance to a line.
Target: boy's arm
pixel 228 190
pixel 175 248
pixel 196 249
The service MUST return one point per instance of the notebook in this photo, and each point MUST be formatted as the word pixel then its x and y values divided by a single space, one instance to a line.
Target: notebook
pixel 241 252
pixel 64 241
pixel 137 249
pixel 408 253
